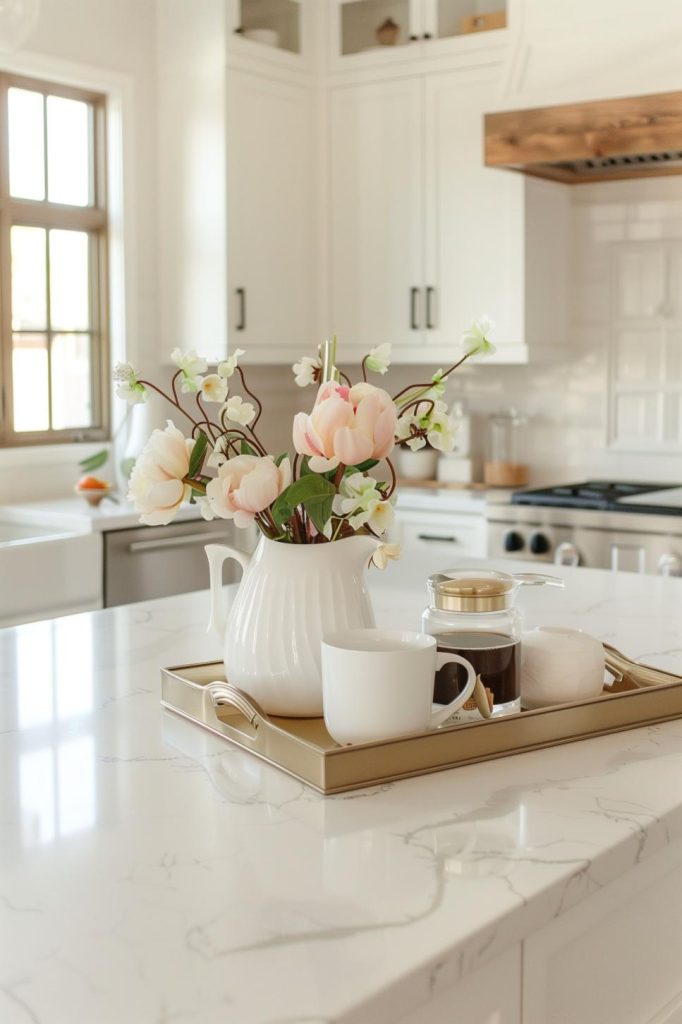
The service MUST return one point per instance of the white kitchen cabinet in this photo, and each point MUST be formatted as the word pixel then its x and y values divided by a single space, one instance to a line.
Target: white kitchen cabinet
pixel 490 995
pixel 474 229
pixel 617 957
pixel 271 216
pixel 424 238
pixel 410 29
pixel 438 540
pixel 376 216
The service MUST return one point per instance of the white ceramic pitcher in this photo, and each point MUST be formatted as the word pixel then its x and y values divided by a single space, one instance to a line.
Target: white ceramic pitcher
pixel 289 598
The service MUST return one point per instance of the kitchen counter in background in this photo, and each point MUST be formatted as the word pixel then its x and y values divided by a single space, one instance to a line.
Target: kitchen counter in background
pixel 149 871
pixel 74 513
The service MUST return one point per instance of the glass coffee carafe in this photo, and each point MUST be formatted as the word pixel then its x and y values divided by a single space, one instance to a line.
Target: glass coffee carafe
pixel 473 613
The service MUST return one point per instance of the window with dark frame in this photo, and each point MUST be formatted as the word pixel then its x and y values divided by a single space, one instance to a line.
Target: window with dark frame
pixel 54 364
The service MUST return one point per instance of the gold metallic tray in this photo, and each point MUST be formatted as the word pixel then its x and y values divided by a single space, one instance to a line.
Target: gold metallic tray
pixel 302 747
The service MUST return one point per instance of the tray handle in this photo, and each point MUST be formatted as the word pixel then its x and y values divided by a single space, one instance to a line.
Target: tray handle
pixel 222 694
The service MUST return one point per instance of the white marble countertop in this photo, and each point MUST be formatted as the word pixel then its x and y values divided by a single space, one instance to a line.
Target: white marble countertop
pixel 73 513
pixel 151 873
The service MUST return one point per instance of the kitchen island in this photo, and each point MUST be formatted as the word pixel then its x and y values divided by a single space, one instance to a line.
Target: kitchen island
pixel 151 873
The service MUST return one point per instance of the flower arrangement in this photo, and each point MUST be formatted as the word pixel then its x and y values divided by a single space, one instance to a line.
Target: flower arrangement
pixel 325 492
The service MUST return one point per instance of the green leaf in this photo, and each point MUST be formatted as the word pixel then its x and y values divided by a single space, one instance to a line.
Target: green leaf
pixel 94 461
pixel 311 491
pixel 197 457
pixel 362 467
pixel 280 458
pixel 246 449
pixel 127 466
pixel 319 510
pixel 305 469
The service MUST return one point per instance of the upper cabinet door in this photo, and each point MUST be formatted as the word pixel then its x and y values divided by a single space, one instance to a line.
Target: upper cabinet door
pixel 271 217
pixel 474 221
pixel 376 217
pixel 277 32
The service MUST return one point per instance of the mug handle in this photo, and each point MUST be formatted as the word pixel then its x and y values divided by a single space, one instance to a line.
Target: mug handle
pixel 438 717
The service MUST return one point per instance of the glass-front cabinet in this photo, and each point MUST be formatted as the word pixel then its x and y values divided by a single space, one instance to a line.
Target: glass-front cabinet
pixel 393 30
pixel 274 30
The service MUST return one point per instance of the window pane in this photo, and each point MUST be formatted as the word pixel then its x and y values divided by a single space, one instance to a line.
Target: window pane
pixel 26 144
pixel 69 284
pixel 71 381
pixel 30 382
pixel 29 281
pixel 68 151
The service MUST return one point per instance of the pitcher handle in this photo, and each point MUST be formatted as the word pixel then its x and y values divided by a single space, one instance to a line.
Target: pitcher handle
pixel 216 554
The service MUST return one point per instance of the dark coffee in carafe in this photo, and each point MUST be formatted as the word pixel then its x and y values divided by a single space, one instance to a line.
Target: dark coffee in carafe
pixel 495 658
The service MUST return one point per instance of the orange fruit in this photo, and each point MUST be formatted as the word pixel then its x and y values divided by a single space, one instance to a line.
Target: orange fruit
pixel 91 483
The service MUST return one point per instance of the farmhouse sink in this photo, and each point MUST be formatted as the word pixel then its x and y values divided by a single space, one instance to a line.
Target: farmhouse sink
pixel 17 533
pixel 47 570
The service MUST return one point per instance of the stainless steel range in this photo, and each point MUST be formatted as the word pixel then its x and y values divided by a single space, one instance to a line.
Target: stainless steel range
pixel 604 525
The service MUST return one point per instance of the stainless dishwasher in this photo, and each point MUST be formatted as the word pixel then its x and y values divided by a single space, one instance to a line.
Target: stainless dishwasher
pixel 157 561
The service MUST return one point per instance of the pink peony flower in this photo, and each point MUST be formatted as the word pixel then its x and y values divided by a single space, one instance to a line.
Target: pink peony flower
pixel 347 425
pixel 245 485
pixel 156 483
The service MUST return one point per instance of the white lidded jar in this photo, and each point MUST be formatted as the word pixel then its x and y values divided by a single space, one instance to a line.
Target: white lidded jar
pixel 473 613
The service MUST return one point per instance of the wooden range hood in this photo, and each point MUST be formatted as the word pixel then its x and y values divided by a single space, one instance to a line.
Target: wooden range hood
pixel 578 143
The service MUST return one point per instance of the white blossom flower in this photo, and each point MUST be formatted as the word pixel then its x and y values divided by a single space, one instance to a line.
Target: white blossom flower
pixel 229 365
pixel 239 411
pixel 386 553
pixel 129 386
pixel 214 388
pixel 191 365
pixel 475 339
pixel 379 358
pixel 217 456
pixel 360 495
pixel 440 431
pixel 205 507
pixel 307 371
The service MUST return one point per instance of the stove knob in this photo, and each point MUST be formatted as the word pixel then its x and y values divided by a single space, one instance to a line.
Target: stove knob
pixel 514 541
pixel 670 565
pixel 539 544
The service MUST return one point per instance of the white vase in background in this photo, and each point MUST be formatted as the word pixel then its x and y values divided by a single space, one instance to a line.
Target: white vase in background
pixel 290 597
pixel 419 465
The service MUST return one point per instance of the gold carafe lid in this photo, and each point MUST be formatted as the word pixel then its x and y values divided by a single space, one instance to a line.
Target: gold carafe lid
pixel 471 591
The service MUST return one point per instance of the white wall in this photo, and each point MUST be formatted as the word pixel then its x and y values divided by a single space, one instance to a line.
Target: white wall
pixel 119 37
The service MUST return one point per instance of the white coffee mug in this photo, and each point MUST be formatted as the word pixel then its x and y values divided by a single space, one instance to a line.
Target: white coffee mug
pixel 378 683
pixel 559 666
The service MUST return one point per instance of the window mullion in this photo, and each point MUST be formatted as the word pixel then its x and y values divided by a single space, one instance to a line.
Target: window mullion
pixel 5 265
pixel 48 307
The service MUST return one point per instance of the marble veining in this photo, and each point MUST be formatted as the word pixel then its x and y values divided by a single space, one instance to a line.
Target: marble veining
pixel 149 872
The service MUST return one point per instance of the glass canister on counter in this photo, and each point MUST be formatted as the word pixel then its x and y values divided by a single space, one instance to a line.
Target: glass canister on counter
pixel 504 465
pixel 473 613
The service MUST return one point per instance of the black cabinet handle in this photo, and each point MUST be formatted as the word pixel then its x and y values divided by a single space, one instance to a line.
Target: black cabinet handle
pixel 427 35
pixel 414 298
pixel 435 537
pixel 241 295
pixel 413 39
pixel 430 293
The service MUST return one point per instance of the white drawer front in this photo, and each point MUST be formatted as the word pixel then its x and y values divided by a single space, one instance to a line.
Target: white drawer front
pixel 440 538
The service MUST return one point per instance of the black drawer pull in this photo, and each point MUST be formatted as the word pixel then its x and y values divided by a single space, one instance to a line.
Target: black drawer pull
pixel 241 295
pixel 434 536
